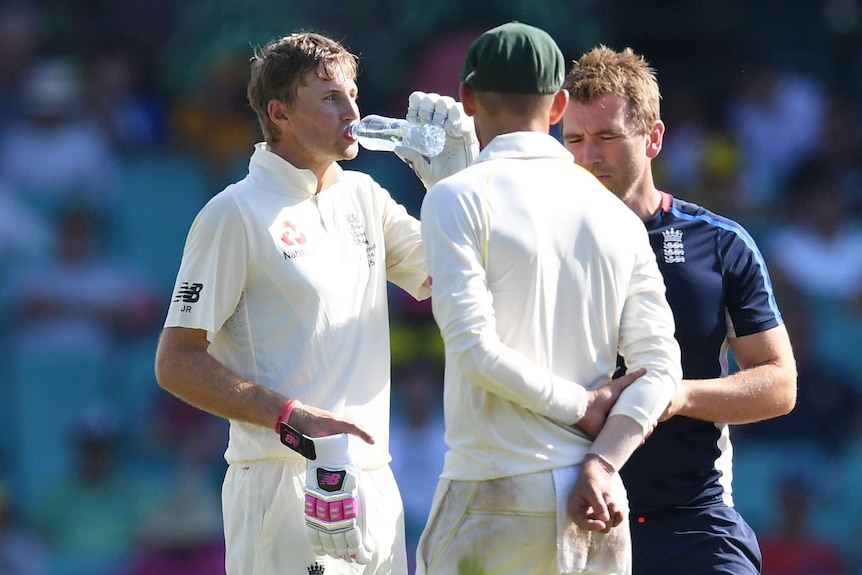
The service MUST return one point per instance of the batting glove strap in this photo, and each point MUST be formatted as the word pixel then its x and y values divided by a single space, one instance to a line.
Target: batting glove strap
pixel 334 509
pixel 302 444
pixel 461 147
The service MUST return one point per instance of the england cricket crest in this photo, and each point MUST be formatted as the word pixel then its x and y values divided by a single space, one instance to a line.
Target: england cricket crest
pixel 672 247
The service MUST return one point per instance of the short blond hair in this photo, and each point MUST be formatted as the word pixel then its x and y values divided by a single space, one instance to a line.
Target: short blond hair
pixel 604 71
pixel 280 67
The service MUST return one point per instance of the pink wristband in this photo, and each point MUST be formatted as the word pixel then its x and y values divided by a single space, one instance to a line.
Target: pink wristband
pixel 285 412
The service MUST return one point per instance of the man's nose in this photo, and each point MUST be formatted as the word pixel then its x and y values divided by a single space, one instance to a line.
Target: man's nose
pixel 591 153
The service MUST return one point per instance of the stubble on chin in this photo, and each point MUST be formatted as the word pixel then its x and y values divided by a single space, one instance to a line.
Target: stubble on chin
pixel 350 152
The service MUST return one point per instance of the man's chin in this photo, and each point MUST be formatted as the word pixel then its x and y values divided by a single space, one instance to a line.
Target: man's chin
pixel 608 182
pixel 351 152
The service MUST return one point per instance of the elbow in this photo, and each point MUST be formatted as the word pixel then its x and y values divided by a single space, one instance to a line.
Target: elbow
pixel 787 399
pixel 160 370
pixel 470 365
pixel 163 370
pixel 786 404
pixel 475 356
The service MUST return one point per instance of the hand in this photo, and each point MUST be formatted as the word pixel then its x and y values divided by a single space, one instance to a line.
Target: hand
pixel 316 422
pixel 461 146
pixel 601 400
pixel 334 505
pixel 593 504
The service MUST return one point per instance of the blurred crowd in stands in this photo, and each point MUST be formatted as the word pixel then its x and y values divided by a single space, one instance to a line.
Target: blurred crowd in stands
pixel 118 120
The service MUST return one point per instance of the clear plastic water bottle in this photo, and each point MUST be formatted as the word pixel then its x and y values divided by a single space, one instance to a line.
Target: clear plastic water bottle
pixel 375 132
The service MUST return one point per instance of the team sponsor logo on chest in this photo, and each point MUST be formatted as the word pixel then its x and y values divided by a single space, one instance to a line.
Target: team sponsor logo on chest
pixel 293 241
pixel 360 238
pixel 672 246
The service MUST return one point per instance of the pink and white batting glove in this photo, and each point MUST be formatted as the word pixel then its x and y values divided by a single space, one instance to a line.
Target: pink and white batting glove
pixel 461 147
pixel 334 505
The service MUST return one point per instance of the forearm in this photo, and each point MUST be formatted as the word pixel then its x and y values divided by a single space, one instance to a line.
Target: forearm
pixel 618 439
pixel 191 374
pixel 750 395
pixel 511 375
pixel 647 341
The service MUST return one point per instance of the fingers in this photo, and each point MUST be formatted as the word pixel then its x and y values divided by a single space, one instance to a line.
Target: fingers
pixel 328 545
pixel 622 382
pixel 315 422
pixel 448 113
pixel 615 516
pixel 630 377
pixel 427 105
pixel 600 511
pixel 438 109
pixel 441 109
pixel 651 429
pixel 588 509
pixel 362 434
pixel 585 519
pixel 344 426
pixel 356 549
pixel 594 504
pixel 590 519
pixel 413 103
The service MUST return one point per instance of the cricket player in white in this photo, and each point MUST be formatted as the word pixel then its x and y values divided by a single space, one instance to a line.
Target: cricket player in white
pixel 540 276
pixel 280 316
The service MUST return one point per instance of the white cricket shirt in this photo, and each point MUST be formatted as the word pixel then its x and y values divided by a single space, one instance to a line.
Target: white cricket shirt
pixel 540 276
pixel 291 288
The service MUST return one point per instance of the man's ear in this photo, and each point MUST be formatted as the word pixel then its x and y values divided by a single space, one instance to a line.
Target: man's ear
pixel 655 138
pixel 468 98
pixel 558 107
pixel 277 111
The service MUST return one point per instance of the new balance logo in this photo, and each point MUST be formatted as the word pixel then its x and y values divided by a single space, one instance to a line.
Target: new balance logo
pixel 329 480
pixel 315 569
pixel 189 293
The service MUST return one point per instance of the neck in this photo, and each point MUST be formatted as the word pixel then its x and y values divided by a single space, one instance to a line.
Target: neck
pixel 325 177
pixel 489 126
pixel 644 204
pixel 322 170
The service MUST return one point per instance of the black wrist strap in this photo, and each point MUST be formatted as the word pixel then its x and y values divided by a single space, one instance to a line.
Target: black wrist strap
pixel 302 444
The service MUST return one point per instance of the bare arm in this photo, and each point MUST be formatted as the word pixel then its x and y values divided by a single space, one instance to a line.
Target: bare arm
pixel 765 386
pixel 185 369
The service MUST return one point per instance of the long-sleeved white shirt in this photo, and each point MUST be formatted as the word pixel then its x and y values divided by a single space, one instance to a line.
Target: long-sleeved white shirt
pixel 540 277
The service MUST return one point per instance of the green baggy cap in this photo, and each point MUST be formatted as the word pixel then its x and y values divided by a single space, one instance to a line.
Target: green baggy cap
pixel 514 58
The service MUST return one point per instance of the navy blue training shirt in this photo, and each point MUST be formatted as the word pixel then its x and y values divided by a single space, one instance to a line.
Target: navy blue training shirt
pixel 718 287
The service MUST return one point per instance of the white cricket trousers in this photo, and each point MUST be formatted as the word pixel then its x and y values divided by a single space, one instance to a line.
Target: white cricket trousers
pixel 264 522
pixel 517 526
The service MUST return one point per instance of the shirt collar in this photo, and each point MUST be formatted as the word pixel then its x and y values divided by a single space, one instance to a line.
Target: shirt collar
pixel 524 145
pixel 282 175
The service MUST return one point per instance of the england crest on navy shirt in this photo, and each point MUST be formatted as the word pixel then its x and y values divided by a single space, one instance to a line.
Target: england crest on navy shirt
pixel 674 251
